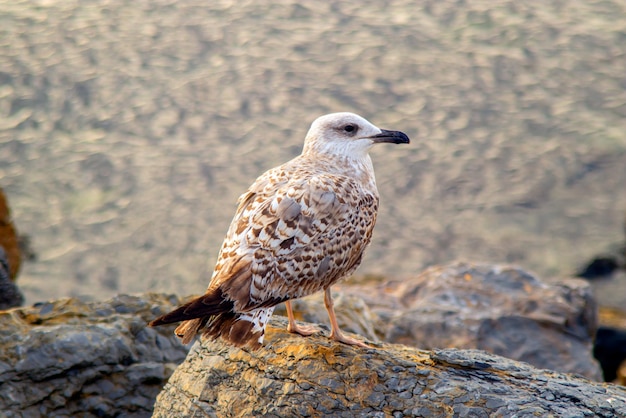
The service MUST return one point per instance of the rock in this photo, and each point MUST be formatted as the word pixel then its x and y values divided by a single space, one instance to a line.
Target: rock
pixel 10 258
pixel 10 295
pixel 610 345
pixel 8 237
pixel 607 276
pixel 73 358
pixel 610 350
pixel 606 272
pixel 600 266
pixel 313 376
pixel 605 265
pixel 500 309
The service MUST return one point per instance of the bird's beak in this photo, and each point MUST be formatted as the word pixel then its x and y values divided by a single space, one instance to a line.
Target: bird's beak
pixel 393 137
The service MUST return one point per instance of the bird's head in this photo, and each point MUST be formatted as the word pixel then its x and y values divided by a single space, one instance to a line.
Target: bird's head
pixel 347 135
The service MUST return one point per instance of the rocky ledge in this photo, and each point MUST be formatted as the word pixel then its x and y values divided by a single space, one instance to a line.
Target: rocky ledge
pixel 500 309
pixel 313 376
pixel 74 358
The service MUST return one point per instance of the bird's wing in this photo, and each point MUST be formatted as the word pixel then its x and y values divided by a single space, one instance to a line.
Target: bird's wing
pixel 292 237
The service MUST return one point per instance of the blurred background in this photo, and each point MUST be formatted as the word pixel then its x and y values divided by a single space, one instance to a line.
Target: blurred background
pixel 128 129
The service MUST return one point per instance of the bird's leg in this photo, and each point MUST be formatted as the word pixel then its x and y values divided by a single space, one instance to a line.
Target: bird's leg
pixel 335 332
pixel 295 328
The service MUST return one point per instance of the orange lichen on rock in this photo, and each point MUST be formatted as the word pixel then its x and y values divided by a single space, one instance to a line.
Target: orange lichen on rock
pixel 8 237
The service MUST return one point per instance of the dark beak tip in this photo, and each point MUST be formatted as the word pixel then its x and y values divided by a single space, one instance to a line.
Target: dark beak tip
pixel 394 137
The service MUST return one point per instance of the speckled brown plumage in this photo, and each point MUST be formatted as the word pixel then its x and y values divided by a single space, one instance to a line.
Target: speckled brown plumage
pixel 298 229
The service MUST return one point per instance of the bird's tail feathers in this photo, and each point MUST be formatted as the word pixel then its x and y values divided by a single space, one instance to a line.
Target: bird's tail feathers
pixel 214 316
pixel 189 329
pixel 240 329
pixel 211 303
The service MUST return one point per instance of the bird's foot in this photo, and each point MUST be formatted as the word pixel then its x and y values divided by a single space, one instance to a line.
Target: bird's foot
pixel 349 340
pixel 304 330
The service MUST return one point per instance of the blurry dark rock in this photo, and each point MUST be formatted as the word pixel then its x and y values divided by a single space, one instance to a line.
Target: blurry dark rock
pixel 10 295
pixel 610 350
pixel 599 267
pixel 610 344
pixel 71 358
pixel 607 276
pixel 10 258
pixel 499 309
pixel 604 265
pixel 314 376
pixel 606 273
pixel 8 237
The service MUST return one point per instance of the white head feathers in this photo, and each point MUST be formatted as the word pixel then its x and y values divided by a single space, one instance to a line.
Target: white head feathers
pixel 347 135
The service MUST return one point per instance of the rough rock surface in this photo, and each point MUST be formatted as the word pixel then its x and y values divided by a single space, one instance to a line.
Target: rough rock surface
pixel 500 309
pixel 73 358
pixel 296 376
pixel 76 358
pixel 128 128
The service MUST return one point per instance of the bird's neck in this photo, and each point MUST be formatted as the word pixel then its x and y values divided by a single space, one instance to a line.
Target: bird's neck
pixel 357 167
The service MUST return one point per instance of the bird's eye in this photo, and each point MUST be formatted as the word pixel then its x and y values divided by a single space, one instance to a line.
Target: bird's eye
pixel 350 128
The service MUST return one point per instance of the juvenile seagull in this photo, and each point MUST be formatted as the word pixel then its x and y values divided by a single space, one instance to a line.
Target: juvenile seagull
pixel 299 228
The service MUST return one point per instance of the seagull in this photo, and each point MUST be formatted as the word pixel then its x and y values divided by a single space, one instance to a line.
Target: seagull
pixel 299 228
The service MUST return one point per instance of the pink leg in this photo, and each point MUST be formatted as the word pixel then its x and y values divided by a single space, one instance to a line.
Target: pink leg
pixel 335 332
pixel 295 328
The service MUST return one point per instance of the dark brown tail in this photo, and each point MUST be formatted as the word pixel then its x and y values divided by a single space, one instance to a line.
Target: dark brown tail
pixel 211 303
pixel 214 316
pixel 195 314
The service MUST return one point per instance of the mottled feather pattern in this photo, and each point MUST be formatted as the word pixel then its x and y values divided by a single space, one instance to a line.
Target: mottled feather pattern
pixel 295 235
pixel 298 229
